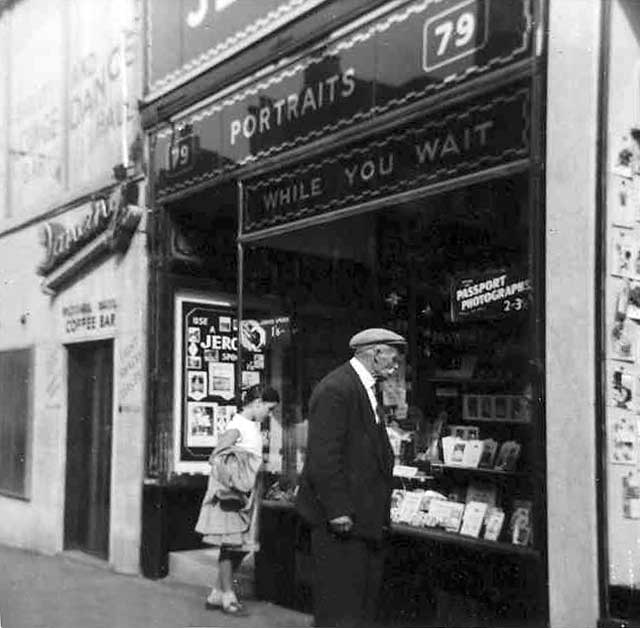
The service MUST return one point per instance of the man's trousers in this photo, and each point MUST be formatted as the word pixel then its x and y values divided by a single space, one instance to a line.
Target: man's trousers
pixel 347 576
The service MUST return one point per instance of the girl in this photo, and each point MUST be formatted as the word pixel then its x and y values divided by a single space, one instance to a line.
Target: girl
pixel 218 521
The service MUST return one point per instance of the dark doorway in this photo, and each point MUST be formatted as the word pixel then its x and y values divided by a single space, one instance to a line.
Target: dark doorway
pixel 88 477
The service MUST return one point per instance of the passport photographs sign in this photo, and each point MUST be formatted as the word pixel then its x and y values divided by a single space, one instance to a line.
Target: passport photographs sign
pixel 490 295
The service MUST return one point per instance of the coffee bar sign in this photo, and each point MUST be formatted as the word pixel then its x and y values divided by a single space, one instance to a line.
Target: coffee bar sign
pixel 188 36
pixel 474 138
pixel 356 77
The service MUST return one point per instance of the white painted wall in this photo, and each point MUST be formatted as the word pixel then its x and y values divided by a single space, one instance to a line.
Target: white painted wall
pixel 37 524
pixel 572 126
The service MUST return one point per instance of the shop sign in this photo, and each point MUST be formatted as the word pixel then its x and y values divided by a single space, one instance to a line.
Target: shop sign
pixel 408 54
pixel 207 338
pixel 89 318
pixel 188 36
pixel 490 295
pixel 105 223
pixel 474 138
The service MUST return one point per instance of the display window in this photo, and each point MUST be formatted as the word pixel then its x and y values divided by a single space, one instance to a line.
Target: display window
pixel 619 282
pixel 452 273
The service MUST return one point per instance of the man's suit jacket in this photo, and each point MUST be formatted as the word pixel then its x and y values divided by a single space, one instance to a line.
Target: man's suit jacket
pixel 349 463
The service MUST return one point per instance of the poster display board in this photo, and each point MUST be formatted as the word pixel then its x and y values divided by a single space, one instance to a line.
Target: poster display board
pixel 621 315
pixel 209 380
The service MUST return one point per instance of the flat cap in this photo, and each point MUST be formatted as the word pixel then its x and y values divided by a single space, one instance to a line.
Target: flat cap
pixel 376 336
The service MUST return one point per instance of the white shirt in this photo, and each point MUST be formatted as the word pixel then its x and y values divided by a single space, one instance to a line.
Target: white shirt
pixel 369 383
pixel 250 436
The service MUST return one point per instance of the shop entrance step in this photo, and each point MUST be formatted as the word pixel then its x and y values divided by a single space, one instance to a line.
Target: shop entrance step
pixel 200 567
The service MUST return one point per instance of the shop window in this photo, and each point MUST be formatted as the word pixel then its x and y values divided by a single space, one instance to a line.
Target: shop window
pixel 16 381
pixel 452 274
pixel 619 427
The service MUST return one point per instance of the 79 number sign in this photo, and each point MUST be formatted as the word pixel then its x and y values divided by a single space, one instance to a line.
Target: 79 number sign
pixel 455 33
pixel 181 153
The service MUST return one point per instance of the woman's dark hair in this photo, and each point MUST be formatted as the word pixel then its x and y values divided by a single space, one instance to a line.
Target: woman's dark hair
pixel 260 391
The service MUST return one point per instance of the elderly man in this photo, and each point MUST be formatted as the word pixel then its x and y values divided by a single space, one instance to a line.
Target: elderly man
pixel 345 487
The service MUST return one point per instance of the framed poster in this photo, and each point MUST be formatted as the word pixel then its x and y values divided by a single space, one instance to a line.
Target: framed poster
pixel 206 388
pixel 208 381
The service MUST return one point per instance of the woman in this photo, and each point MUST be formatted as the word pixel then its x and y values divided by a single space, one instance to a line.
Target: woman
pixel 229 513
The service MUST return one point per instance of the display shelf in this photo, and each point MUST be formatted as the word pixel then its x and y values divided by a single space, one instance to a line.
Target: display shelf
pixel 278 504
pixel 433 534
pixel 467 381
pixel 479 470
pixel 498 421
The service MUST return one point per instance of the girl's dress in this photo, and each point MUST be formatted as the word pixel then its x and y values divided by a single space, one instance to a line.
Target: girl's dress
pixel 229 512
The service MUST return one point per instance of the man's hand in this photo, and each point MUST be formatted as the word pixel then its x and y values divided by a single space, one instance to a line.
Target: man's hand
pixel 341 524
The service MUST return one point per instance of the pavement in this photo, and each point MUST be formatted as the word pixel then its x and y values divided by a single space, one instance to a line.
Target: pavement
pixel 71 591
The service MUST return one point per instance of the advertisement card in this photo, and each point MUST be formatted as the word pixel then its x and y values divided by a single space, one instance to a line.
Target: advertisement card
pixel 484 492
pixel 621 206
pixel 445 514
pixel 201 430
pixel 410 506
pixel 493 524
pixel 221 379
pixel 631 495
pixel 222 415
pixel 624 448
pixel 250 378
pixel 196 385
pixel 508 456
pixel 472 453
pixel 621 386
pixel 624 252
pixel 397 497
pixel 488 455
pixel 623 341
pixel 472 519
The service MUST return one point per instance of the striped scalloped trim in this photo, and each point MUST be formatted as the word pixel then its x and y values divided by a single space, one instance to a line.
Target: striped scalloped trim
pixel 231 41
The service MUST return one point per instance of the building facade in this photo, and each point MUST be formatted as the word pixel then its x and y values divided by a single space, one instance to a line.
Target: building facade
pixel 74 276
pixel 462 172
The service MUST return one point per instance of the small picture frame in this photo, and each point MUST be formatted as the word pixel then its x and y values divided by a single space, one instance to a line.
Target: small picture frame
pixel 486 407
pixel 194 362
pixel 501 406
pixel 196 385
pixel 472 406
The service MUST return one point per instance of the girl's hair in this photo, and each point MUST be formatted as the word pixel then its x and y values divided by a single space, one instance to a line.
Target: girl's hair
pixel 260 391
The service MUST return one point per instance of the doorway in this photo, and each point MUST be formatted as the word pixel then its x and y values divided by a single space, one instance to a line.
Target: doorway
pixel 89 426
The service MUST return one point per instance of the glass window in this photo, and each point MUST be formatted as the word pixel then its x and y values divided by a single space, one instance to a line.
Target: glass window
pixel 15 418
pixel 620 312
pixel 452 274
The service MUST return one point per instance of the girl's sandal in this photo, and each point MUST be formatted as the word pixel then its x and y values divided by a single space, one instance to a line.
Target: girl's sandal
pixel 235 608
pixel 214 601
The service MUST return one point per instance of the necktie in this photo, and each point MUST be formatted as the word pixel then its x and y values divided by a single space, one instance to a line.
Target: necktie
pixel 377 391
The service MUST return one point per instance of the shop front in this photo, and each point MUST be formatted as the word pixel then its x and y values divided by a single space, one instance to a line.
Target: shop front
pixel 427 228
pixel 388 175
